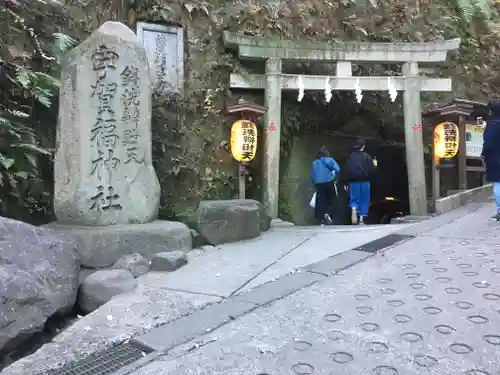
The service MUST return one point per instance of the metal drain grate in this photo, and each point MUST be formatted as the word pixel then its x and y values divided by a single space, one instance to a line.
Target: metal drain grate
pixel 383 242
pixel 103 363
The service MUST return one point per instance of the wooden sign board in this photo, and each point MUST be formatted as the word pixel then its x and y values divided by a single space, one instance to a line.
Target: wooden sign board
pixel 473 140
pixel 165 52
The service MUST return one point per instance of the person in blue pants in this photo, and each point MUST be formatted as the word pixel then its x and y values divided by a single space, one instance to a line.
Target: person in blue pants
pixel 491 152
pixel 359 172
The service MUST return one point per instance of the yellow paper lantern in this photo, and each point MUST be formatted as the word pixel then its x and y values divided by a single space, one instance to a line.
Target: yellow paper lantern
pixel 243 140
pixel 446 140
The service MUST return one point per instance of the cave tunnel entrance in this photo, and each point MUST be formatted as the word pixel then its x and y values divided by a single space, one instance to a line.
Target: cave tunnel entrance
pixel 308 124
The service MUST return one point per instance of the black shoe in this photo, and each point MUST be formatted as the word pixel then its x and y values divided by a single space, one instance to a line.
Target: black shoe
pixel 495 217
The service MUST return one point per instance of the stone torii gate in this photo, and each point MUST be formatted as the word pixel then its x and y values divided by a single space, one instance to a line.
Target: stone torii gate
pixel 273 81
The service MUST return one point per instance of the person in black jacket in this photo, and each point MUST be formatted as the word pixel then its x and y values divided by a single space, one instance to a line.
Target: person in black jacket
pixel 359 171
pixel 491 152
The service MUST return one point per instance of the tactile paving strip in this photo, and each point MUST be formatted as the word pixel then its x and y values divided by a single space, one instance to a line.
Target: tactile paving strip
pixel 103 363
pixel 431 306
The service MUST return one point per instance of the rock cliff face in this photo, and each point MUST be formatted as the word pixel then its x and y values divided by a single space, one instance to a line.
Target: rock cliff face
pixel 38 279
pixel 190 126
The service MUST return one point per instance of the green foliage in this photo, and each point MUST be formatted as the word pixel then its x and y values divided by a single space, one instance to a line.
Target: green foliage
pixel 28 90
pixel 470 9
pixel 185 213
pixel 184 158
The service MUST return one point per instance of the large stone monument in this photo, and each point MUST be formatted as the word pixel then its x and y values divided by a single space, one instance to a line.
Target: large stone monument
pixel 103 168
pixel 106 193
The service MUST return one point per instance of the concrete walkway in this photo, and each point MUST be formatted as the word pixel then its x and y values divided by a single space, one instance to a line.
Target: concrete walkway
pixel 209 279
pixel 237 267
pixel 428 305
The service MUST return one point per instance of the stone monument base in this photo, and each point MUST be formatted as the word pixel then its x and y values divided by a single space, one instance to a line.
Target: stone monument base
pixel 102 246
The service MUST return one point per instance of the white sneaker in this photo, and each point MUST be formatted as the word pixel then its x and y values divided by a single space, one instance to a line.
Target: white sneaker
pixel 354 216
pixel 328 219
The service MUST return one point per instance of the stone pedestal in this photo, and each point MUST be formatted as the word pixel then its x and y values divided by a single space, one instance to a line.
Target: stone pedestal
pixel 103 246
pixel 103 168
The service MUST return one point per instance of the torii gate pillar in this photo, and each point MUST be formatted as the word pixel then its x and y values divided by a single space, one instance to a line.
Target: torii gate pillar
pixel 272 137
pixel 414 142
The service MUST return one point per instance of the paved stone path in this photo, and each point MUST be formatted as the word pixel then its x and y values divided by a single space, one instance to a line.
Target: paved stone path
pixel 210 278
pixel 428 306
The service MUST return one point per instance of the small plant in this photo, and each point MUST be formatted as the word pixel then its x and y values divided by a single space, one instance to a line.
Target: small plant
pixel 28 89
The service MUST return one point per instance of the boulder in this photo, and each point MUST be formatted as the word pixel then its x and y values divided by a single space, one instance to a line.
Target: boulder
pixel 84 273
pixel 102 246
pixel 38 278
pixel 169 261
pixel 265 219
pixel 102 285
pixel 198 241
pixel 135 263
pixel 229 220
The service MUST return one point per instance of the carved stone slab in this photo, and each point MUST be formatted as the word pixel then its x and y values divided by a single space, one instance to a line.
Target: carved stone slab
pixel 103 169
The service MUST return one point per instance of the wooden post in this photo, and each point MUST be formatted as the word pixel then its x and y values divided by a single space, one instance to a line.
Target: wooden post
pixel 242 181
pixel 436 180
pixel 462 155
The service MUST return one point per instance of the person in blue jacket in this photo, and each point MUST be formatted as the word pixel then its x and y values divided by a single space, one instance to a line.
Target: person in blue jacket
pixel 323 173
pixel 491 152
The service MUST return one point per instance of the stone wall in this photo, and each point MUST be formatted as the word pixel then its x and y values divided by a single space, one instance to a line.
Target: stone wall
pixel 461 198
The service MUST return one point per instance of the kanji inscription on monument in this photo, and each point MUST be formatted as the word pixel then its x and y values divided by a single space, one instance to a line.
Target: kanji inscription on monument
pixel 131 114
pixel 103 168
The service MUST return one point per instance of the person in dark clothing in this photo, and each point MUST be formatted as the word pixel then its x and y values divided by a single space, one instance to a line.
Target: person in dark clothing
pixel 491 152
pixel 359 171
pixel 323 173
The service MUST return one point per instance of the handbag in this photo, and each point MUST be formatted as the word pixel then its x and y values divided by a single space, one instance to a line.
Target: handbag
pixel 312 202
